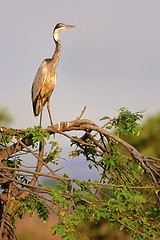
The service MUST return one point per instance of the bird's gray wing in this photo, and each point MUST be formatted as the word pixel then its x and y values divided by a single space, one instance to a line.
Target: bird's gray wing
pixel 39 81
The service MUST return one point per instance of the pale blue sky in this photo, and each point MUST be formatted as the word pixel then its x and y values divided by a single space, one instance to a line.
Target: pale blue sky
pixel 111 59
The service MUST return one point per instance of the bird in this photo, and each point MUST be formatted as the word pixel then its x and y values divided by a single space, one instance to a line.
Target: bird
pixel 46 76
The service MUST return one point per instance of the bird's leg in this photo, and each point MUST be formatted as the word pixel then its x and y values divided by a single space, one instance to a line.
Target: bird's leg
pixel 40 119
pixel 41 113
pixel 49 113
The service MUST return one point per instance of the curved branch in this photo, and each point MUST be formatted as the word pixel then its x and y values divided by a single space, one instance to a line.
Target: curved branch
pixel 78 125
pixel 85 126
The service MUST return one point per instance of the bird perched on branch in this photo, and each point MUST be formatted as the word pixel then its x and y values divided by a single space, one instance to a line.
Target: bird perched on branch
pixel 46 77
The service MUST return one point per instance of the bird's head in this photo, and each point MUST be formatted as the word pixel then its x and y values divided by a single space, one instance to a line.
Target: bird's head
pixel 60 27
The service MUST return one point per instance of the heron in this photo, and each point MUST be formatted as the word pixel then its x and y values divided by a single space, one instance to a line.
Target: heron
pixel 46 76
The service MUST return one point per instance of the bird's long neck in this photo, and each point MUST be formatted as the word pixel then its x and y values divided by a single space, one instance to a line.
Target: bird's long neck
pixel 57 53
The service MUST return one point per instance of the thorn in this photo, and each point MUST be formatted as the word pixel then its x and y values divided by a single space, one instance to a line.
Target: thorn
pixel 82 113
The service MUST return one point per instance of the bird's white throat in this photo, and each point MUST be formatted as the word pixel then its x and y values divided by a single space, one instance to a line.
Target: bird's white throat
pixel 56 33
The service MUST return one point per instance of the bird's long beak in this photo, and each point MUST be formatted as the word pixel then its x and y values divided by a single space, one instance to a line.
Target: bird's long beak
pixel 69 26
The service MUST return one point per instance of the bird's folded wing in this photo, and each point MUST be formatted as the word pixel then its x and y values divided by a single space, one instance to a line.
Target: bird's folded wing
pixel 39 81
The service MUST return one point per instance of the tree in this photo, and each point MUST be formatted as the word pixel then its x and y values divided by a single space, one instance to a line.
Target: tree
pixel 5 117
pixel 127 194
pixel 149 140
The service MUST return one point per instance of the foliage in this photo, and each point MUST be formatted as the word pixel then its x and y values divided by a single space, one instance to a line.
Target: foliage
pixel 37 133
pixel 5 117
pixel 125 195
pixel 126 122
pixel 149 141
pixel 30 205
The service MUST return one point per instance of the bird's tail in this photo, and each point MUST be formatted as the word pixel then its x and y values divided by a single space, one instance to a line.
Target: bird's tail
pixel 37 106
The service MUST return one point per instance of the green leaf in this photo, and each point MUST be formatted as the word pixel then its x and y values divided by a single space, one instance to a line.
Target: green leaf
pixel 104 118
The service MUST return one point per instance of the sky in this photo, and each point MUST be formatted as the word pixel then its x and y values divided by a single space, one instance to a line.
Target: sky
pixel 110 60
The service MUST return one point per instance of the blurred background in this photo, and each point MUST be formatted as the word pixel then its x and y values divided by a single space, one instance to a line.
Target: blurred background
pixel 110 60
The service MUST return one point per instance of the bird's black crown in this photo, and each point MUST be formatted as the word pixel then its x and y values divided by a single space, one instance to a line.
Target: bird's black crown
pixel 59 25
